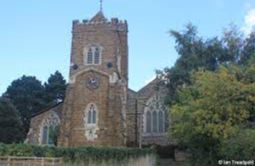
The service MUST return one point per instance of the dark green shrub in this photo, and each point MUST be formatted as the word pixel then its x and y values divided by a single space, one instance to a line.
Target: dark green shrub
pixel 240 147
pixel 81 154
pixel 167 151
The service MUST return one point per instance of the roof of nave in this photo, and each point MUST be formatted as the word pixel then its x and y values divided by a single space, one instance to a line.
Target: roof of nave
pixel 49 108
pixel 150 85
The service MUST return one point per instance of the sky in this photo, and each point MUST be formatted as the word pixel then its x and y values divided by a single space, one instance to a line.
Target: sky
pixel 35 35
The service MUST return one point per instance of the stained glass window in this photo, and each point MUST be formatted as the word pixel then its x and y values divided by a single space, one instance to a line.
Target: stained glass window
pixel 160 122
pixel 148 122
pixel 155 117
pixel 45 135
pixel 92 114
pixel 155 121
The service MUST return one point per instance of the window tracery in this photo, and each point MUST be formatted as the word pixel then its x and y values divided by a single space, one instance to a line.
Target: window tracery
pixel 49 125
pixel 92 55
pixel 154 116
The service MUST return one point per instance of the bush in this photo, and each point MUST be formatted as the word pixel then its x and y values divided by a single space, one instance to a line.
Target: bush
pixel 167 151
pixel 81 154
pixel 241 147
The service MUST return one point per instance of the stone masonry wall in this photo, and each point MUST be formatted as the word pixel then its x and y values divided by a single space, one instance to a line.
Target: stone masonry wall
pixel 109 97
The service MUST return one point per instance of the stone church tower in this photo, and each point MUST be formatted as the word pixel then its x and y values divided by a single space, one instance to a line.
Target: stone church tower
pixel 99 108
pixel 94 111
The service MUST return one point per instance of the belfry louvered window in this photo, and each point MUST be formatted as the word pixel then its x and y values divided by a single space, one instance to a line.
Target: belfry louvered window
pixel 96 56
pixel 90 56
pixel 93 56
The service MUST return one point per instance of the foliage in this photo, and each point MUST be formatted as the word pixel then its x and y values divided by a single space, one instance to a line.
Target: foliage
pixel 167 151
pixel 82 154
pixel 55 88
pixel 10 123
pixel 197 53
pixel 27 94
pixel 211 110
pixel 240 147
pixel 248 49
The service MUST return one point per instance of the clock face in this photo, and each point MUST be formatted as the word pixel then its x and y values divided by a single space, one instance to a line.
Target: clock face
pixel 92 82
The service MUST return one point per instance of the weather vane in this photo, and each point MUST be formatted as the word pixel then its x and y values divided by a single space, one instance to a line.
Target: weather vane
pixel 101 5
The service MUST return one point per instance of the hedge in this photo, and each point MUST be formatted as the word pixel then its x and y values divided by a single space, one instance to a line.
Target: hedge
pixel 74 154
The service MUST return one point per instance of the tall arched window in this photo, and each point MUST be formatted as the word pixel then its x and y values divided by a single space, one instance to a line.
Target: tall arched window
pixel 91 114
pixel 94 117
pixel 148 122
pixel 45 135
pixel 89 117
pixel 97 56
pixel 154 115
pixel 92 55
pixel 49 129
pixel 160 122
pixel 155 121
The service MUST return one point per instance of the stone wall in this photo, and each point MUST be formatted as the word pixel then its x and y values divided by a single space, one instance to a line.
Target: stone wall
pixel 150 90
pixel 132 121
pixel 148 160
pixel 34 134
pixel 110 97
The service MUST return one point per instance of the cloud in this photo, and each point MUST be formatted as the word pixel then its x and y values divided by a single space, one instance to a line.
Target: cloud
pixel 249 21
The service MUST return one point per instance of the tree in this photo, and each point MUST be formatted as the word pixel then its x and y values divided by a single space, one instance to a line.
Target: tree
pixel 55 88
pixel 248 49
pixel 197 53
pixel 27 94
pixel 11 130
pixel 212 110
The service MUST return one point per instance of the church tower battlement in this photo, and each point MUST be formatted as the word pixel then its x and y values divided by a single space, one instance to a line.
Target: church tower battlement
pixel 100 44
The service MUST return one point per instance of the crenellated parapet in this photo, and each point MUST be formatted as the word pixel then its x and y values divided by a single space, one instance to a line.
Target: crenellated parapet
pixel 114 23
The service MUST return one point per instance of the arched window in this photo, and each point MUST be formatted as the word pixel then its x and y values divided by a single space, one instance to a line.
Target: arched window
pixel 49 129
pixel 94 117
pixel 45 135
pixel 154 116
pixel 96 56
pixel 92 114
pixel 89 117
pixel 160 122
pixel 90 56
pixel 93 55
pixel 155 121
pixel 148 122
pixel 49 135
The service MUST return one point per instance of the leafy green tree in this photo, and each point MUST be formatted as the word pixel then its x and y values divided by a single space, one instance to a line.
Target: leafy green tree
pixel 211 111
pixel 11 130
pixel 27 94
pixel 240 147
pixel 55 88
pixel 248 49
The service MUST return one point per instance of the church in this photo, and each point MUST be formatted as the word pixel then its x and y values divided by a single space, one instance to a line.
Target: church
pixel 99 107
